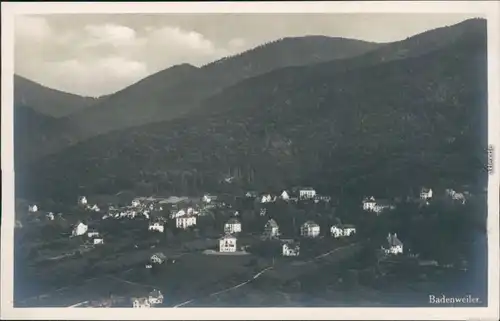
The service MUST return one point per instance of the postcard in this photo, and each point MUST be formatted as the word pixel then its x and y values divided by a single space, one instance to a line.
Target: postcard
pixel 250 160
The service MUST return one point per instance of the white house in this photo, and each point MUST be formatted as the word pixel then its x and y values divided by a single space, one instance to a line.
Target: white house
pixel 156 226
pixel 369 203
pixel 227 244
pixel 33 208
pixel 155 297
pixel 158 258
pixel 395 245
pixel 136 203
pixel 80 229
pixel 342 230
pixel 94 208
pixel 285 196
pixel 185 221
pixel 425 193
pixel 266 198
pixel 307 193
pixel 290 248
pixel 93 234
pixel 82 200
pixel 98 241
pixel 50 216
pixel 377 206
pixel 232 226
pixel 207 198
pixel 271 229
pixel 140 303
pixel 310 229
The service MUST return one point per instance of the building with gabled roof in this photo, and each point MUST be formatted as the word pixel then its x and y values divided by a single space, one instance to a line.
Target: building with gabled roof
pixel 232 226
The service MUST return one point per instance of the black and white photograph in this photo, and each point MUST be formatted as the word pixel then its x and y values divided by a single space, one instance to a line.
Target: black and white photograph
pixel 194 157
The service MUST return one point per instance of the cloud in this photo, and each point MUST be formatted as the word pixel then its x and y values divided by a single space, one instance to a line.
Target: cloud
pixel 101 58
pixel 109 34
pixel 89 77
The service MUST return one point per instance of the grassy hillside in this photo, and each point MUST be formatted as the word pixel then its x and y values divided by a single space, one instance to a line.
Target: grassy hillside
pixel 409 122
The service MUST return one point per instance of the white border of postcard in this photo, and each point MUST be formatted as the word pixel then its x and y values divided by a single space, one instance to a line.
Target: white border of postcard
pixel 487 9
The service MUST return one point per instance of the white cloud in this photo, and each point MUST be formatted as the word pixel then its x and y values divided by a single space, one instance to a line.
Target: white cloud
pixel 178 38
pixel 109 34
pixel 89 77
pixel 98 59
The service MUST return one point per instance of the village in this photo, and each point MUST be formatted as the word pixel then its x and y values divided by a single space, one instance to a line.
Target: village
pixel 285 228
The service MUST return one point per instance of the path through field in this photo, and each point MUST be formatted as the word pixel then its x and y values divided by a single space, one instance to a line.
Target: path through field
pixel 260 273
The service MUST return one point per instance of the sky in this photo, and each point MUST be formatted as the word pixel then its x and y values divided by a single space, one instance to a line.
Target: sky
pixel 98 54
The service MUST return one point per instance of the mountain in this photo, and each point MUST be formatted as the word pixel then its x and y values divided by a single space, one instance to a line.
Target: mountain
pixel 47 101
pixel 412 121
pixel 32 128
pixel 175 91
pixel 179 89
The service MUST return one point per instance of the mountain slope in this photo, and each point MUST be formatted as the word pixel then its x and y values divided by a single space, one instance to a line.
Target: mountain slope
pixel 47 101
pixel 154 99
pixel 32 128
pixel 409 122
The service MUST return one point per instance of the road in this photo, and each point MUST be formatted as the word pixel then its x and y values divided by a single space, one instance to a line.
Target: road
pixel 260 273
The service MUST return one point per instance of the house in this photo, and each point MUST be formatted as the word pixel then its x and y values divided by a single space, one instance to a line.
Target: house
pixel 94 208
pixel 155 297
pixel 369 203
pixel 395 246
pixel 156 226
pixel 285 196
pixel 425 193
pixel 377 206
pixel 309 229
pixel 136 203
pixel 79 229
pixel 140 303
pixel 323 198
pixel 290 248
pixel 263 211
pixel 266 198
pixel 232 226
pixel 158 258
pixel 50 216
pixel 307 193
pixel 207 198
pixel 342 230
pixel 33 208
pixel 251 194
pixel 82 200
pixel 271 229
pixel 98 241
pixel 185 221
pixel 227 244
pixel 93 234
